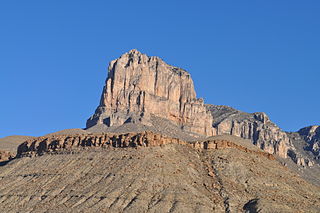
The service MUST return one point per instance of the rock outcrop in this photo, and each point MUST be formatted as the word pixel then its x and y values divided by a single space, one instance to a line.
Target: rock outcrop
pixel 65 143
pixel 299 158
pixel 254 126
pixel 311 135
pixel 5 155
pixel 143 91
pixel 139 86
pixel 56 143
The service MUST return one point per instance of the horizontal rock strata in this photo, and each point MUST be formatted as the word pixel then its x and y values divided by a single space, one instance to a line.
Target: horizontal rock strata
pixel 171 178
pixel 58 143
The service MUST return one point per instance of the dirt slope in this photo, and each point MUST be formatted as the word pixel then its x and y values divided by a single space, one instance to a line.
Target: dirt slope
pixel 10 143
pixel 169 178
pixel 260 185
pixel 111 180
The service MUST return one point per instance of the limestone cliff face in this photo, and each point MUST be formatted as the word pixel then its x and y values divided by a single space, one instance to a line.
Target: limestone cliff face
pixel 139 86
pixel 311 135
pixel 254 126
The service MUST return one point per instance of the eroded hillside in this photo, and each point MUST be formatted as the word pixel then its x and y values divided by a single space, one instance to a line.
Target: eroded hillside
pixel 166 178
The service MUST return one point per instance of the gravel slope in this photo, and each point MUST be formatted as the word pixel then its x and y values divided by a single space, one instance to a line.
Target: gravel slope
pixel 10 143
pixel 170 178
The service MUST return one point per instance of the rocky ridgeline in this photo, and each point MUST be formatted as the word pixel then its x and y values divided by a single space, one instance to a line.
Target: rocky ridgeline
pixel 256 127
pixel 57 143
pixel 139 86
pixel 140 89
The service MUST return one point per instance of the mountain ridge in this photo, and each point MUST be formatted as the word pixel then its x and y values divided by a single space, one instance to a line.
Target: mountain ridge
pixel 139 87
pixel 153 146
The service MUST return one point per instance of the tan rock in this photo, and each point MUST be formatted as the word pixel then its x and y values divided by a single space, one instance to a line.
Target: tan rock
pixel 5 155
pixel 256 127
pixel 139 86
pixel 63 143
pixel 311 135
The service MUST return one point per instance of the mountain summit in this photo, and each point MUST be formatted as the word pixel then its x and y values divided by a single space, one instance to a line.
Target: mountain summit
pixel 139 86
pixel 146 149
pixel 146 92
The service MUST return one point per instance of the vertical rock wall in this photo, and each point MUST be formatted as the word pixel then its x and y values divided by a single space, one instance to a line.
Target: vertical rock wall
pixel 138 86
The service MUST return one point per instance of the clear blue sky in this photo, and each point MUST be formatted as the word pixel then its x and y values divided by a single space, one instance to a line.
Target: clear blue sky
pixel 251 55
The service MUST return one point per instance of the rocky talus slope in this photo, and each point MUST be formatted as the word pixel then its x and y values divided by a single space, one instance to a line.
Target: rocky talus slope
pixel 219 174
pixel 139 86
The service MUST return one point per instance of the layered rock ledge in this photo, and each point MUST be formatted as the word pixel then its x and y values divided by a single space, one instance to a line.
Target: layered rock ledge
pixel 57 143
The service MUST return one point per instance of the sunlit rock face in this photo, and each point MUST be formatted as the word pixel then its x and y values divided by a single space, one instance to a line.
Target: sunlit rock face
pixel 139 86
pixel 311 135
pixel 254 126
